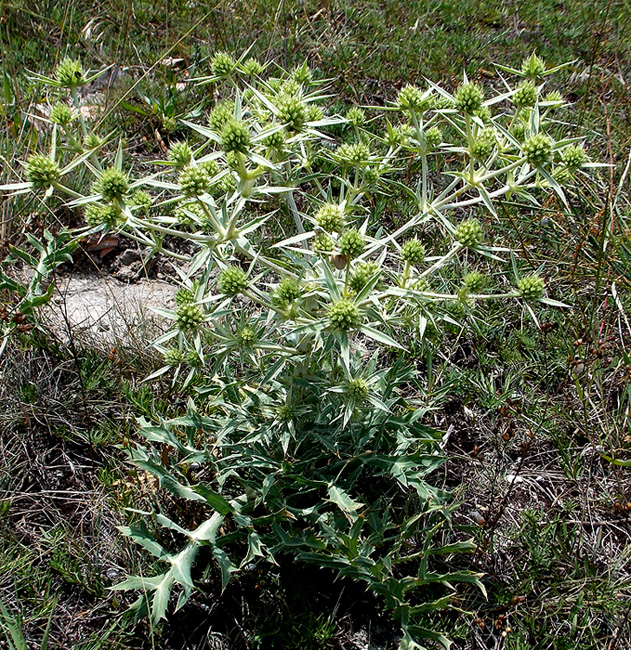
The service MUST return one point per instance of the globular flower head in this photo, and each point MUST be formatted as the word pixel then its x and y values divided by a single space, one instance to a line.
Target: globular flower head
pixel 287 291
pixel 210 167
pixel 357 154
pixel 289 87
pixel 291 111
pixel 61 114
pixel 531 287
pixel 192 359
pixel 469 98
pixel 103 215
pixel 433 137
pixel 356 116
pixel 525 95
pixel 518 131
pixel 180 154
pixel 69 73
pixel 484 144
pixel 352 244
pixel 474 282
pixel 538 149
pixel 246 336
pixel 314 113
pixel 141 199
pixel 189 316
pixel 323 244
pixel 344 315
pixel 220 115
pixel 483 113
pixel 112 184
pixel 173 357
pixel 223 64
pixel 184 296
pixel 330 218
pixel 411 99
pixel 194 181
pixel 302 74
pixel 236 136
pixel 357 389
pixel 533 66
pixel 363 273
pixel 285 413
pixel 233 280
pixel 469 233
pixel 413 251
pixel 41 171
pixel 92 141
pixel 371 176
pixel 555 97
pixel 187 213
pixel 276 140
pixel 252 68
pixel 574 157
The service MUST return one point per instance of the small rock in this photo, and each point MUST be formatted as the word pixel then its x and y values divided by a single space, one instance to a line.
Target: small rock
pixel 128 257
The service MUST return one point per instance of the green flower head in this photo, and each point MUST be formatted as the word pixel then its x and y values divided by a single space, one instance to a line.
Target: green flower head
pixel 69 73
pixel 433 137
pixel 474 282
pixel 469 98
pixel 323 244
pixel 484 144
pixel 352 244
pixel 538 149
pixel 194 181
pixel 574 157
pixel 92 141
pixel 302 74
pixel 61 114
pixel 357 389
pixel 356 116
pixel 246 336
pixel 344 315
pixel 363 273
pixel 173 357
pixel 353 154
pixel 41 171
pixel 291 111
pixel 233 280
pixel 525 95
pixel 236 136
pixel 330 218
pixel 531 287
pixel 220 115
pixel 189 317
pixel 276 140
pixel 112 184
pixel 411 99
pixel 180 154
pixel 469 233
pixel 223 64
pixel 141 199
pixel 103 215
pixel 252 68
pixel 533 66
pixel 413 251
pixel 184 296
pixel 287 291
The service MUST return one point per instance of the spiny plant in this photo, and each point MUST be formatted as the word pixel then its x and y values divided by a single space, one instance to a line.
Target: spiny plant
pixel 300 437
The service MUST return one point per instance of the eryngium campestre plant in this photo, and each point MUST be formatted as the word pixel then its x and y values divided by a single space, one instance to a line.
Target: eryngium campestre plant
pixel 316 445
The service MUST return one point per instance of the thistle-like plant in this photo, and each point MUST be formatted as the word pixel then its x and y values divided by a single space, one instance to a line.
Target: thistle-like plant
pixel 303 441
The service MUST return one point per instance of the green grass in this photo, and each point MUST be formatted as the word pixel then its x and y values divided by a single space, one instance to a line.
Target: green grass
pixel 555 546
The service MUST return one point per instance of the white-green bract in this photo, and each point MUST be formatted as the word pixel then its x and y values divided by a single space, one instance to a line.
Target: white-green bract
pixel 298 439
